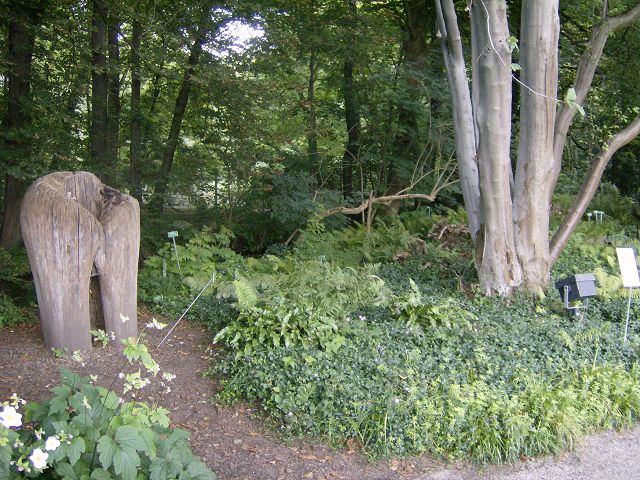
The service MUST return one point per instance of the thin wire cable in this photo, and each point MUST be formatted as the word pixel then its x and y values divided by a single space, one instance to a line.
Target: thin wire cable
pixel 493 47
pixel 213 277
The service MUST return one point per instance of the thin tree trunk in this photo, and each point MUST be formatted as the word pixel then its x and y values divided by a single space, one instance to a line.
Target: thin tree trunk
pixel 99 89
pixel 113 100
pixel 310 102
pixel 20 55
pixel 451 42
pixel 176 122
pixel 135 182
pixel 539 34
pixel 312 126
pixel 419 16
pixel 498 268
pixel 352 116
pixel 589 187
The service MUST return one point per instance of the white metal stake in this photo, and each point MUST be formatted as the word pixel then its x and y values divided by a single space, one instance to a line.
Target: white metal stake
pixel 175 249
pixel 626 327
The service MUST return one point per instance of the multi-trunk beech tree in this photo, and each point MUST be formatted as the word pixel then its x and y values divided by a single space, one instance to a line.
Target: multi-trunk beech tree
pixel 509 211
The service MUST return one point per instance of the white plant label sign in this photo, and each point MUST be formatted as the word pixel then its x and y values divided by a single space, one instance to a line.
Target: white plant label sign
pixel 628 267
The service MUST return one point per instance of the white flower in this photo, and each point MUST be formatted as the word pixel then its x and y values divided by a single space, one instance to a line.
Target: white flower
pixel 15 400
pixel 38 433
pixel 397 400
pixel 123 318
pixel 155 324
pixel 51 444
pixel 10 417
pixel 39 459
pixel 168 376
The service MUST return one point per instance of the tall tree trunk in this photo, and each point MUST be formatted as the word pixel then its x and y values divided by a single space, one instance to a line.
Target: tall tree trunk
pixel 176 122
pixel 25 17
pixel 312 123
pixel 539 33
pixel 419 16
pixel 99 89
pixel 113 99
pixel 135 182
pixel 352 116
pixel 466 153
pixel 496 258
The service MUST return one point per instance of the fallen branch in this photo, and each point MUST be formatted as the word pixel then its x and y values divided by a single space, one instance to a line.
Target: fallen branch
pixel 384 200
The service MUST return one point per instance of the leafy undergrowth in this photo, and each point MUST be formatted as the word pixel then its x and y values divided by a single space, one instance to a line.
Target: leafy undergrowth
pixel 401 356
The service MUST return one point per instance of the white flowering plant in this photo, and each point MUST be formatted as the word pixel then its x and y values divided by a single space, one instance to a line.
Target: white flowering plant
pixel 86 432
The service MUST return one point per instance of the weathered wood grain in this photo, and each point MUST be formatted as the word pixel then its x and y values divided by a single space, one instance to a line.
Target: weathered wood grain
pixel 70 225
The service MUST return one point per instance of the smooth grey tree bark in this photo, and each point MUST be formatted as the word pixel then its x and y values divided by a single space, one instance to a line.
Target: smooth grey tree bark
pixel 465 136
pixel 539 32
pixel 512 246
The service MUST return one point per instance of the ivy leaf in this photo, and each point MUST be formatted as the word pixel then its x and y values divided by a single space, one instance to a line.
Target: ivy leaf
pixel 107 449
pixel 515 67
pixel 129 437
pixel 126 462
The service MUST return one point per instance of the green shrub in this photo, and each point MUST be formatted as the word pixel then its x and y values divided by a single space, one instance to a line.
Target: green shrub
pixel 506 378
pixel 298 303
pixel 87 432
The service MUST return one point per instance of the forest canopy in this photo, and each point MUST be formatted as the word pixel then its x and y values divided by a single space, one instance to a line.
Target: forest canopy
pixel 257 115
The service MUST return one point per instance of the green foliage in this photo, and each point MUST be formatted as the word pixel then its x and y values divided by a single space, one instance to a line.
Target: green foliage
pixel 353 246
pixel 613 204
pixel 520 381
pixel 16 290
pixel 203 255
pixel 86 432
pixel 435 317
pixel 100 437
pixel 10 313
pixel 288 302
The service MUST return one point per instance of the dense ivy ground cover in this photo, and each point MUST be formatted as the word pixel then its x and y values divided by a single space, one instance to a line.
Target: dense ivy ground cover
pixel 404 357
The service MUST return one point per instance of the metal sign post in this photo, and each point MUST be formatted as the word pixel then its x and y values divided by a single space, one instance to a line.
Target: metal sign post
pixel 172 235
pixel 630 278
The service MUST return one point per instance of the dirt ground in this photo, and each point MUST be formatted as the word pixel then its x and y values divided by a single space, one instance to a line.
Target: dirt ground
pixel 234 443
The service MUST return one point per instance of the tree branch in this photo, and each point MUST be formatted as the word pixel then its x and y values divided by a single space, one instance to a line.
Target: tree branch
pixel 589 186
pixel 584 76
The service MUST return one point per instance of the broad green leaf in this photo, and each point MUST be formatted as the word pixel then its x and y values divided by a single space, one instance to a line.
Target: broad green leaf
pixel 199 471
pixel 160 468
pixel 106 449
pixel 126 462
pixel 150 442
pixel 75 449
pixel 66 471
pixel 100 474
pixel 129 437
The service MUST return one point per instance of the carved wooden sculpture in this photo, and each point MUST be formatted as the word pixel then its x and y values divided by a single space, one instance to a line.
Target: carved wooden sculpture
pixel 72 223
